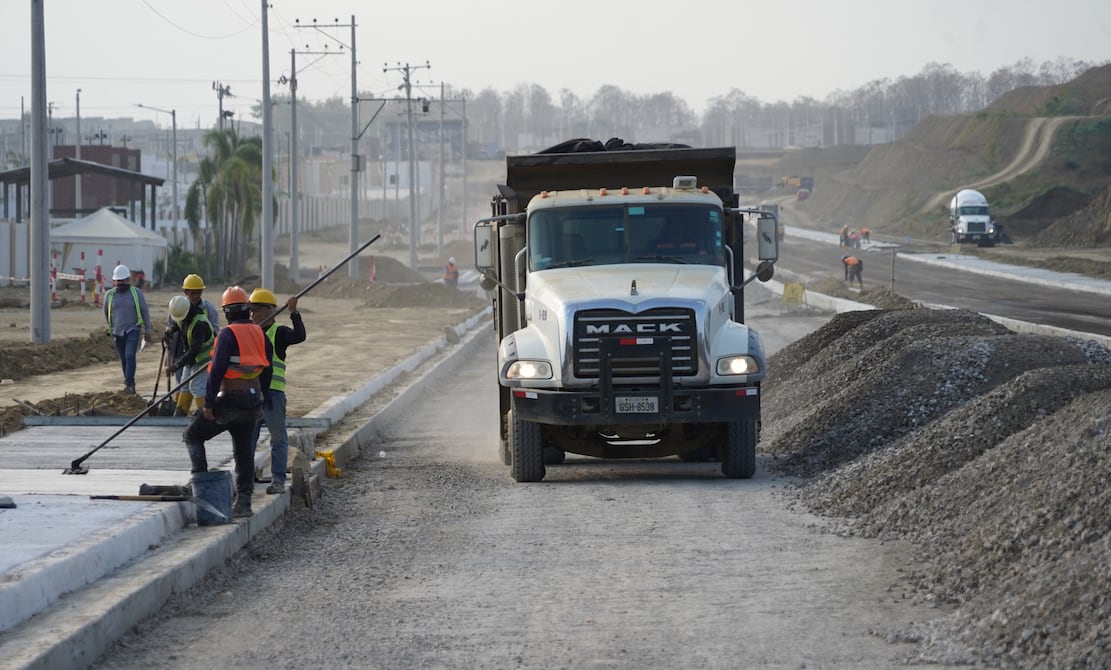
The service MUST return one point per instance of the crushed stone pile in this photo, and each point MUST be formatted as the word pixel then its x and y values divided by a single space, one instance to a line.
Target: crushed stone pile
pixel 989 450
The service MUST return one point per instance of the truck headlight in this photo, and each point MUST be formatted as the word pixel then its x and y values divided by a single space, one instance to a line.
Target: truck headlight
pixel 529 370
pixel 738 365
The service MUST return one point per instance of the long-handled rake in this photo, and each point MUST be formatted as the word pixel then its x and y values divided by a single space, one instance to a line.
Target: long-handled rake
pixel 76 467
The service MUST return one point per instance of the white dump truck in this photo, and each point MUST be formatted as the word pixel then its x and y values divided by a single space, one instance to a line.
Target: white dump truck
pixel 618 288
pixel 970 219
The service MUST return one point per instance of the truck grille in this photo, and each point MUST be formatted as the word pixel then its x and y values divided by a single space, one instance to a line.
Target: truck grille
pixel 675 326
pixel 976 227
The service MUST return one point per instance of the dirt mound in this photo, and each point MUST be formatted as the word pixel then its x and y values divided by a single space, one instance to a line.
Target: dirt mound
pixel 104 403
pixel 18 361
pixel 1088 227
pixel 989 450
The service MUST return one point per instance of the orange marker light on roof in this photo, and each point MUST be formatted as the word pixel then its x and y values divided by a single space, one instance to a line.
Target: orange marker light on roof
pixel 705 189
pixel 624 190
pixel 646 190
pixel 543 194
pixel 602 191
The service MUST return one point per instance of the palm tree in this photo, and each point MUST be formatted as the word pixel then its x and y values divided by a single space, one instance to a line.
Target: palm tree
pixel 228 191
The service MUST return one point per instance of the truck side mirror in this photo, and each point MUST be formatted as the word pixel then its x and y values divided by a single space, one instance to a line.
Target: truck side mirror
pixel 484 247
pixel 767 241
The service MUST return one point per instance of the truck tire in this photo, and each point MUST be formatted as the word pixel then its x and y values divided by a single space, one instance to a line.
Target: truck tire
pixel 504 454
pixel 526 449
pixel 738 455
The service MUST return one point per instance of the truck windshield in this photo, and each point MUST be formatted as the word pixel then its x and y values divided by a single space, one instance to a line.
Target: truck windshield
pixel 974 210
pixel 664 233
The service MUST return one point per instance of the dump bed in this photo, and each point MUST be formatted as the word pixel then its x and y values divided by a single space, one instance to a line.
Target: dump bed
pixel 530 174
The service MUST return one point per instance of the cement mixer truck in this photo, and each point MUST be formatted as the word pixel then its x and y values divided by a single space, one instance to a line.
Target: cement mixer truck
pixel 970 219
pixel 617 279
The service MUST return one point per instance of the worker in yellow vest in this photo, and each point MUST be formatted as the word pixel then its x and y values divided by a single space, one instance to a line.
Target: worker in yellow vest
pixel 263 304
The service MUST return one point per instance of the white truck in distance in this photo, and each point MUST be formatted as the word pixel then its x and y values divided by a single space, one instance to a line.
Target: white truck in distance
pixel 970 219
pixel 617 281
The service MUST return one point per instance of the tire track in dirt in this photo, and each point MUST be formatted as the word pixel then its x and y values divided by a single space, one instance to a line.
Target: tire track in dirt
pixel 1036 143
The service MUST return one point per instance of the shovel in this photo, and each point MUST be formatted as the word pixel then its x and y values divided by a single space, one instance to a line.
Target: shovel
pixel 206 506
pixel 167 405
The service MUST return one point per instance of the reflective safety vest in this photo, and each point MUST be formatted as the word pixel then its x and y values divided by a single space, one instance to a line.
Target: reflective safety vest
pixel 206 349
pixel 277 381
pixel 251 360
pixel 134 296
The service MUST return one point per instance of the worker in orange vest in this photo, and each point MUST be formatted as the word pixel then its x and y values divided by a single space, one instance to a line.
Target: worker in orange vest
pixel 854 269
pixel 451 273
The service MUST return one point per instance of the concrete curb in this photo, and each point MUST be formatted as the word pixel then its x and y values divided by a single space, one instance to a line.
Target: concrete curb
pixel 46 579
pixel 77 632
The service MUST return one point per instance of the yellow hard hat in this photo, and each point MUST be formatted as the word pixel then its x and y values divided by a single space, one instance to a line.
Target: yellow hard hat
pixel 179 307
pixel 263 296
pixel 192 283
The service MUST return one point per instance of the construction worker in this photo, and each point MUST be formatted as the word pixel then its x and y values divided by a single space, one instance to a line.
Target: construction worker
pixel 854 269
pixel 197 336
pixel 192 287
pixel 866 235
pixel 451 273
pixel 238 384
pixel 262 306
pixel 128 317
pixel 844 235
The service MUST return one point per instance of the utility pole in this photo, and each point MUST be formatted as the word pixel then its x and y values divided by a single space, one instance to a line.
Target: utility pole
pixel 267 228
pixel 414 232
pixel 294 185
pixel 77 177
pixel 353 242
pixel 40 183
pixel 221 91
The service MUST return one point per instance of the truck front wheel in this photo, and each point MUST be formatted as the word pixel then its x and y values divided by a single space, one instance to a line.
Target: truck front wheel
pixel 738 454
pixel 527 450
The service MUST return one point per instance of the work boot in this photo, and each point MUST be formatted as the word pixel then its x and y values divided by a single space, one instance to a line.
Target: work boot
pixel 128 388
pixel 242 507
pixel 275 488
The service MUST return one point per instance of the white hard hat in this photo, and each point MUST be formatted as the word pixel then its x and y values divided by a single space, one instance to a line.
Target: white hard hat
pixel 179 307
pixel 451 260
pixel 120 273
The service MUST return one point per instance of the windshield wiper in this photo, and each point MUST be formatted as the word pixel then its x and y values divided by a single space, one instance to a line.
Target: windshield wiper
pixel 662 259
pixel 576 262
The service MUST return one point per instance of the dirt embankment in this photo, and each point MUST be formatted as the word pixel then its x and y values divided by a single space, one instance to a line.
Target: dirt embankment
pixel 1038 154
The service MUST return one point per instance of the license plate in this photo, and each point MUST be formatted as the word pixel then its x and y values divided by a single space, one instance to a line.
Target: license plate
pixel 637 404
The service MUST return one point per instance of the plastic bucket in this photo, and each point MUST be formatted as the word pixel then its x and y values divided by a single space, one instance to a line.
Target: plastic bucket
pixel 215 488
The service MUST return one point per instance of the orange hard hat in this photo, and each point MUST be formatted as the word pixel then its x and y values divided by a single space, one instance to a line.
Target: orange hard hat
pixel 234 296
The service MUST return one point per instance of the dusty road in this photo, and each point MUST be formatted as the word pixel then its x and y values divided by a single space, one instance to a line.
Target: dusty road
pixel 427 554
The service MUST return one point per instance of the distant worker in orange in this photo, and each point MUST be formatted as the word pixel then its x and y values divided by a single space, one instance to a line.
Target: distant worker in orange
pixel 854 269
pixel 451 273
pixel 866 235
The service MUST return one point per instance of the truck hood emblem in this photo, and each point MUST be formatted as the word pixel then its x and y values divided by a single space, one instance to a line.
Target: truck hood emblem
pixel 633 288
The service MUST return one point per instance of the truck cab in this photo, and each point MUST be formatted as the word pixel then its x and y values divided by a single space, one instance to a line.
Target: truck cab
pixel 970 219
pixel 618 309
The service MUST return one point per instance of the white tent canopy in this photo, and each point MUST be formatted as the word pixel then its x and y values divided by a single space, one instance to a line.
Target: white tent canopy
pixel 117 239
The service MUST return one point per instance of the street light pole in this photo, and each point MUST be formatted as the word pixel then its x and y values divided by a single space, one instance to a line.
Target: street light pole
pixel 173 157
pixel 77 177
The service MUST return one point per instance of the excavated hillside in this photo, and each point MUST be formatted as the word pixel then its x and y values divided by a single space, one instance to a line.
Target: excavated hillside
pixel 1042 156
pixel 989 451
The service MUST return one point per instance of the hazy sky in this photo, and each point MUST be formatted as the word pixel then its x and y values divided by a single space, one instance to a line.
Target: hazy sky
pixel 167 53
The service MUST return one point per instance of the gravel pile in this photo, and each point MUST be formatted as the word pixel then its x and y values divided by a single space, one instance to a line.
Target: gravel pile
pixel 989 450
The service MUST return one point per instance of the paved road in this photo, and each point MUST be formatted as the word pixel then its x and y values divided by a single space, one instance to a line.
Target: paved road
pixel 435 558
pixel 1038 303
